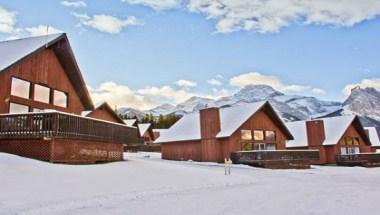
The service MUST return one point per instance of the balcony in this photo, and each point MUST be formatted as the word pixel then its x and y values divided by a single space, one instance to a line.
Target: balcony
pixel 46 125
pixel 360 159
pixel 276 159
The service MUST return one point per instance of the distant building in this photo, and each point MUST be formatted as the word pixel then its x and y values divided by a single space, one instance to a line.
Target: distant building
pixel 146 132
pixel 340 140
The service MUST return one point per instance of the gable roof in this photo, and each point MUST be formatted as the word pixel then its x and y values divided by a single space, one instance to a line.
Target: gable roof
pixel 13 51
pixel 231 118
pixel 130 122
pixel 143 127
pixel 335 127
pixel 373 136
pixel 108 108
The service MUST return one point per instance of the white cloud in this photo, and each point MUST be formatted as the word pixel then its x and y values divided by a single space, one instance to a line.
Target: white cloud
pixel 119 95
pixel 186 83
pixel 271 15
pixel 42 30
pixel 8 21
pixel 157 4
pixel 106 23
pixel 75 4
pixel 214 82
pixel 318 91
pixel 147 97
pixel 255 78
pixel 374 82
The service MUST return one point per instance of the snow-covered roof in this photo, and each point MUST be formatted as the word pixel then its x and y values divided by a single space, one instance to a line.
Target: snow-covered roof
pixel 13 50
pixel 334 130
pixel 86 112
pixel 188 127
pixel 160 130
pixel 143 127
pixel 373 136
pixel 298 129
pixel 130 122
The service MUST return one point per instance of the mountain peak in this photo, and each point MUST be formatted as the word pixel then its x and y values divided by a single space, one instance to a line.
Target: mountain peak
pixel 364 101
pixel 252 93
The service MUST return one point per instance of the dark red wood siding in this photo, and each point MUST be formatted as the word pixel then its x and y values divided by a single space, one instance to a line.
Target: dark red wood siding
pixel 42 67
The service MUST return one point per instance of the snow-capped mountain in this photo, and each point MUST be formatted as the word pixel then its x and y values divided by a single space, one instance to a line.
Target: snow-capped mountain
pixel 131 112
pixel 291 107
pixel 364 102
pixel 163 109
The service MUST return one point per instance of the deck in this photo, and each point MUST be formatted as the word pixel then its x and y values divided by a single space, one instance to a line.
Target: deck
pixel 47 125
pixel 64 138
pixel 361 159
pixel 276 159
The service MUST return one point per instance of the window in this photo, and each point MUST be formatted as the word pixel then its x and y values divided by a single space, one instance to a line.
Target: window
pixel 247 147
pixel 270 146
pixel 17 108
pixel 60 98
pixel 246 135
pixel 259 146
pixel 20 88
pixel 349 145
pixel 41 93
pixel 270 136
pixel 258 135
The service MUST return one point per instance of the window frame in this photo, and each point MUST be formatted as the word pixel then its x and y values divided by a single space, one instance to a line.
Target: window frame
pixel 42 86
pixel 21 79
pixel 54 98
pixel 263 134
pixel 246 130
pixel 15 103
pixel 274 135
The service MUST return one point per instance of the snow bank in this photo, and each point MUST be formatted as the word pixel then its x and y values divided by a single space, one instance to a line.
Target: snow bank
pixel 148 185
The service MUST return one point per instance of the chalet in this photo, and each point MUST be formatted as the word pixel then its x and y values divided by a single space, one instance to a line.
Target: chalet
pixel 374 138
pixel 42 97
pixel 104 112
pixel 340 140
pixel 251 134
pixel 146 133
pixel 131 122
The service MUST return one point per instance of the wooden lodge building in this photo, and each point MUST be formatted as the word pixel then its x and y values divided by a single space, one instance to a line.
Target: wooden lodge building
pixel 104 112
pixel 42 97
pixel 340 140
pixel 250 134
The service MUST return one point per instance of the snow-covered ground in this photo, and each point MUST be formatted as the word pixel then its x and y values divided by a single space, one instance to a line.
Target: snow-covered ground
pixel 145 184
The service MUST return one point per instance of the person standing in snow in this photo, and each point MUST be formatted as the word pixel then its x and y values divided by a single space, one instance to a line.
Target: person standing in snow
pixel 227 166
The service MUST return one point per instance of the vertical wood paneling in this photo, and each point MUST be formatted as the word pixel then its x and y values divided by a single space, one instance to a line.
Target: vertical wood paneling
pixel 41 67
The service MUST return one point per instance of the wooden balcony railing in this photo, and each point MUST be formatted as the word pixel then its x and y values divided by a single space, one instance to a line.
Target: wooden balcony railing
pixel 361 159
pixel 63 125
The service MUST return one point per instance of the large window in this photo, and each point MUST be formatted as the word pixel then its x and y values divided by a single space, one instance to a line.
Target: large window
pixel 60 98
pixel 258 135
pixel 349 145
pixel 41 93
pixel 270 136
pixel 17 108
pixel 20 88
pixel 246 134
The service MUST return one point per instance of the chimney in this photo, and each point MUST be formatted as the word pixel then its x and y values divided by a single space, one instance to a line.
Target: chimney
pixel 210 122
pixel 210 127
pixel 315 132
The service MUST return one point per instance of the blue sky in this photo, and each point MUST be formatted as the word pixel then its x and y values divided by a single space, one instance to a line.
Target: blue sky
pixel 142 53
